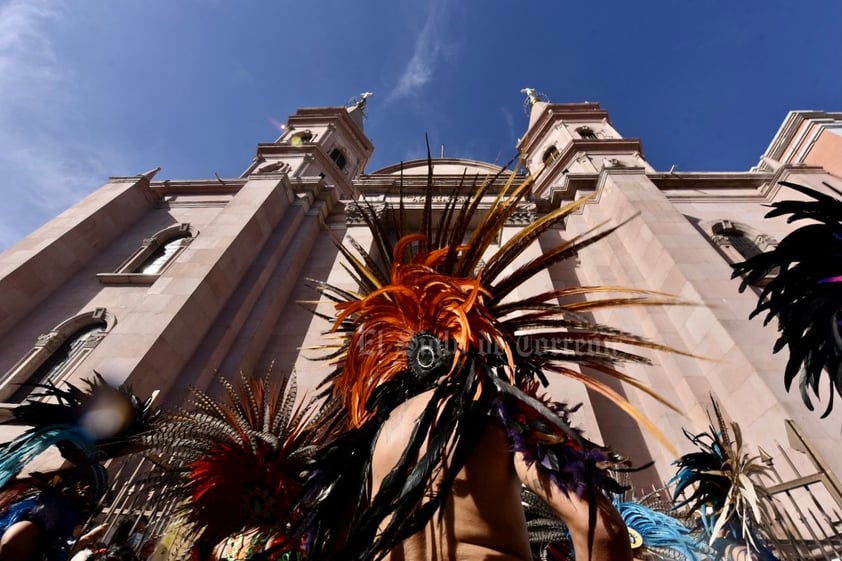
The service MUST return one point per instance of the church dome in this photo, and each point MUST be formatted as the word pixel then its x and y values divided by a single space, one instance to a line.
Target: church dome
pixel 441 166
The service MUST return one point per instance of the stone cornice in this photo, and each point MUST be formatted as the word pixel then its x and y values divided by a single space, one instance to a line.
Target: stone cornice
pixel 198 186
pixel 144 180
pixel 588 147
pixel 792 124
pixel 684 187
pixel 709 180
pixel 783 173
pixel 283 149
pixel 687 187
pixel 312 116
pixel 560 112
pixel 720 187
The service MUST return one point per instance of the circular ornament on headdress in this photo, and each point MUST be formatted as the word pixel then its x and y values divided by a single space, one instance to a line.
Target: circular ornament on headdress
pixel 635 539
pixel 428 355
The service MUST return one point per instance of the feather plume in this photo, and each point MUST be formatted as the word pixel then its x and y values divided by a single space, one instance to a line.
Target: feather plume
pixel 720 481
pixel 241 464
pixel 441 321
pixel 88 425
pixel 804 293
pixel 654 533
pixel 114 418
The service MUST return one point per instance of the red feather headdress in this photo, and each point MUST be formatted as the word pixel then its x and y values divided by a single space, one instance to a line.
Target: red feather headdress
pixel 240 465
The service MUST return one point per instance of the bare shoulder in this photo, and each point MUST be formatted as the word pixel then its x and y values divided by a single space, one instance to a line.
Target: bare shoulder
pixel 19 541
pixel 397 430
pixel 395 434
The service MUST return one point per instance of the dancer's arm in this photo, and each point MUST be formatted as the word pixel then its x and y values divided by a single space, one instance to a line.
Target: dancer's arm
pixel 611 537
pixel 20 541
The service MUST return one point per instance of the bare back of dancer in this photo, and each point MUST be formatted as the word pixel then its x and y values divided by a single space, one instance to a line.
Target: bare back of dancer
pixel 483 517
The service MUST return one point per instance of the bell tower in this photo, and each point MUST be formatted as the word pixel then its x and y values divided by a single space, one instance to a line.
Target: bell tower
pixel 566 141
pixel 327 143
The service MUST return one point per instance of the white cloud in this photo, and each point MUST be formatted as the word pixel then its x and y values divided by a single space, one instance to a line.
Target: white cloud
pixel 45 163
pixel 510 122
pixel 25 53
pixel 429 47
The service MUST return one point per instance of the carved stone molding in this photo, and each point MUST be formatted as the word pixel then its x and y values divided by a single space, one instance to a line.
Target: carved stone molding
pixel 436 199
pixel 765 242
pixel 721 240
pixel 93 340
pixel 523 215
pixel 276 166
pixel 49 341
pixel 354 212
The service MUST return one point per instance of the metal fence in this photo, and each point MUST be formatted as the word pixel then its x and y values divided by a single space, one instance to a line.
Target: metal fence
pixel 806 507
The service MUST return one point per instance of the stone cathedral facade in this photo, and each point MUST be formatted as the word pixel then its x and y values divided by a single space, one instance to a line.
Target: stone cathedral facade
pixel 162 283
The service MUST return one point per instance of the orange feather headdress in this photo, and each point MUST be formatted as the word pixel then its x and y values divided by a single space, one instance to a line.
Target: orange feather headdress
pixel 434 312
pixel 434 286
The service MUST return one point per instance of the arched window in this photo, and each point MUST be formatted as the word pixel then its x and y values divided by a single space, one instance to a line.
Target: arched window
pixel 550 154
pixel 338 158
pixel 163 254
pixel 586 132
pixel 737 242
pixel 152 257
pixel 56 354
pixel 743 240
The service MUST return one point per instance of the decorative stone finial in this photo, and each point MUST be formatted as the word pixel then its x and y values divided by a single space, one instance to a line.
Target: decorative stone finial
pixel 363 97
pixel 531 96
pixel 358 101
pixel 356 106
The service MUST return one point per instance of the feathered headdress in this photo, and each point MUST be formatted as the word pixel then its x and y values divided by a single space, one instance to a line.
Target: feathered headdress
pixel 240 465
pixel 88 425
pixel 435 312
pixel 804 294
pixel 657 533
pixel 652 532
pixel 721 484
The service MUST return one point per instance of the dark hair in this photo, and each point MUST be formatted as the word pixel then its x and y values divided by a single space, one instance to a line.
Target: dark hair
pixel 121 533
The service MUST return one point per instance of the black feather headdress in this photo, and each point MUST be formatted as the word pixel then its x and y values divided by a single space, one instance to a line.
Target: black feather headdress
pixel 805 291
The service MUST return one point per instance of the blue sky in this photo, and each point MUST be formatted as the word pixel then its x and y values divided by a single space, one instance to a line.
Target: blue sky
pixel 94 88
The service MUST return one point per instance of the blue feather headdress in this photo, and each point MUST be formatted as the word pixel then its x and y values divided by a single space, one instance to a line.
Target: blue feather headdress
pixel 651 532
pixel 719 481
pixel 87 426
